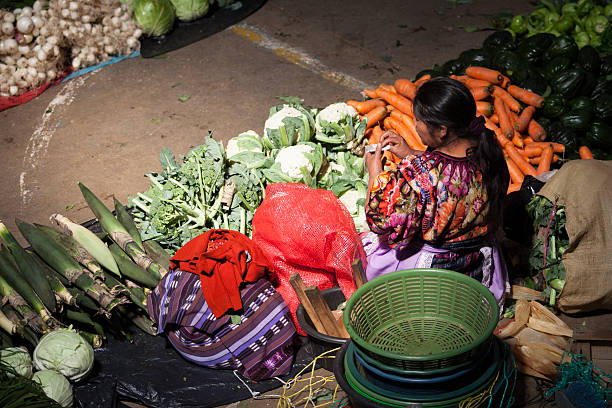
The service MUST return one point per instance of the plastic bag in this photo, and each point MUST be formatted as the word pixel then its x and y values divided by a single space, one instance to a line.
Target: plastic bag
pixel 308 231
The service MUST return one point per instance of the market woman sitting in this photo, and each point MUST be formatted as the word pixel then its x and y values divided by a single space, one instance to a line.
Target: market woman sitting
pixel 440 208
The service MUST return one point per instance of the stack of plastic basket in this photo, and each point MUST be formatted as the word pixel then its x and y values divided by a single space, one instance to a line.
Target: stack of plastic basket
pixel 423 337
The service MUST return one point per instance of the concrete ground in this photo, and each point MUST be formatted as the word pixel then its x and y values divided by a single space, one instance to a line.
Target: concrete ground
pixel 106 129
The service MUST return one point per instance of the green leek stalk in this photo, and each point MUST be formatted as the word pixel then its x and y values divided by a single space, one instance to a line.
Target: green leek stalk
pixel 54 255
pixel 28 270
pixel 19 284
pixel 136 294
pixel 72 247
pixel 5 339
pixel 23 327
pixel 85 302
pixel 138 319
pixel 130 269
pixel 128 222
pixel 157 253
pixel 89 241
pixel 94 339
pixel 84 318
pixel 61 293
pixel 7 324
pixel 18 303
pixel 119 234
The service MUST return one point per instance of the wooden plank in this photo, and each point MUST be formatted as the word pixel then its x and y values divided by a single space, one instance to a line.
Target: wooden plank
pixel 592 334
pixel 339 316
pixel 582 347
pixel 601 352
pixel 298 286
pixel 321 308
pixel 359 275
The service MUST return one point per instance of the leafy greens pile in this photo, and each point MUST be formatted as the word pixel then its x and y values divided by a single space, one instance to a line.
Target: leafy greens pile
pixel 211 188
pixel 549 243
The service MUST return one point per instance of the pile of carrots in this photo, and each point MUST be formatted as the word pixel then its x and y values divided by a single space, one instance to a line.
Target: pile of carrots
pixel 521 137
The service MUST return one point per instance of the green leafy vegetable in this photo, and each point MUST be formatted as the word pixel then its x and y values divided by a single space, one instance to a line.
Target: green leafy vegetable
pixel 65 351
pixel 188 10
pixel 55 386
pixel 156 17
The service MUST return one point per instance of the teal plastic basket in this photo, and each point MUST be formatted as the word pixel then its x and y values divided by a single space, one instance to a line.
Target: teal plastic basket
pixel 421 319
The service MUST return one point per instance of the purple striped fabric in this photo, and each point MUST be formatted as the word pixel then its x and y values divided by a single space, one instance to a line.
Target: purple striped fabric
pixel 260 347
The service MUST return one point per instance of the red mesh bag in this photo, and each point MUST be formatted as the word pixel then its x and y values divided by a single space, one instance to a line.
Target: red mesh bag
pixel 308 231
pixel 11 101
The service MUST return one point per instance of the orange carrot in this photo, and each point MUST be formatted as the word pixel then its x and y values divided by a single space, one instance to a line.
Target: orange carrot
pixel 501 139
pixel 405 87
pixel 513 117
pixel 480 92
pixel 376 115
pixel 366 106
pixel 517 140
pixel 353 103
pixel 505 82
pixel 404 131
pixel 484 107
pixel 523 120
pixel 384 86
pixel 545 160
pixel 528 140
pixel 422 80
pixel 504 118
pixel 520 161
pixel 536 131
pixel 475 83
pixel 585 152
pixel 510 102
pixel 537 159
pixel 530 151
pixel 494 118
pixel 516 175
pixel 370 93
pixel 416 143
pixel 557 147
pixel 513 187
pixel 376 133
pixel 402 103
pixel 526 96
pixel 491 75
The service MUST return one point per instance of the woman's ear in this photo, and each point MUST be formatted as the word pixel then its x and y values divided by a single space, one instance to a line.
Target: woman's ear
pixel 443 131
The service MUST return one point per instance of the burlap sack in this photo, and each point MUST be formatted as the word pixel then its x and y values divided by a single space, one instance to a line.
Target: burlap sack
pixel 584 188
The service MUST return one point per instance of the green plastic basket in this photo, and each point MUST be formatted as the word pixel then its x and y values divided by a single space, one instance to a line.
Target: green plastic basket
pixel 421 319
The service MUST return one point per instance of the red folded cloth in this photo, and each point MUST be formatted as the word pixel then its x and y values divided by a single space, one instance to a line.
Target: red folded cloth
pixel 224 259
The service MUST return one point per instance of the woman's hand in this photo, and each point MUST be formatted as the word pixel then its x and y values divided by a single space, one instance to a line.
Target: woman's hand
pixel 397 144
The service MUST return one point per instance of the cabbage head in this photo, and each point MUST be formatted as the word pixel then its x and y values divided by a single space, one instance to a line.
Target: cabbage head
pixel 188 10
pixel 55 386
pixel 65 351
pixel 18 360
pixel 155 17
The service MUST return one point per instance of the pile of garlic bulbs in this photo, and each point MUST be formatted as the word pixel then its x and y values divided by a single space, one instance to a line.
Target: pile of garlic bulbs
pixel 37 43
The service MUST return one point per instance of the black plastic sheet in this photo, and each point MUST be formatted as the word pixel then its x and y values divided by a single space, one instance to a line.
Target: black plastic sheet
pixel 149 371
pixel 185 33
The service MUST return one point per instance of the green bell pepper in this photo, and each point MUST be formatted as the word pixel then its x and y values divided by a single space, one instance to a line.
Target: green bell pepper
pixel 608 10
pixel 596 25
pixel 596 11
pixel 582 39
pixel 518 25
pixel 563 25
pixel 569 8
pixel 584 6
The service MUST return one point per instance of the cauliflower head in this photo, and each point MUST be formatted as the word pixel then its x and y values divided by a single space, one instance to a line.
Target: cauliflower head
pixel 334 113
pixel 292 159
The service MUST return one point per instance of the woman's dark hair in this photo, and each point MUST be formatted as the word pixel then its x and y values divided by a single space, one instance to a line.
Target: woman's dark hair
pixel 447 102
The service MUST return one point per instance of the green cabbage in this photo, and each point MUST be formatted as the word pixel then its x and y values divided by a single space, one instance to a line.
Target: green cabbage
pixel 18 359
pixel 155 17
pixel 55 386
pixel 188 10
pixel 64 350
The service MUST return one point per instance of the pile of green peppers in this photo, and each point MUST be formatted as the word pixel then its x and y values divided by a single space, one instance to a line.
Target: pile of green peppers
pixel 588 22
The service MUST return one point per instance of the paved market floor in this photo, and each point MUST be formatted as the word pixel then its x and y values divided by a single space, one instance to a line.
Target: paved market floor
pixel 106 128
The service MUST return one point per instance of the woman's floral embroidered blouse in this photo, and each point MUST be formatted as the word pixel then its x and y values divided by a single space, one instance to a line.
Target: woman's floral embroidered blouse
pixel 432 197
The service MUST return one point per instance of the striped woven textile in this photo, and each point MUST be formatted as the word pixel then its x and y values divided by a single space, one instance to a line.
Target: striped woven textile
pixel 259 347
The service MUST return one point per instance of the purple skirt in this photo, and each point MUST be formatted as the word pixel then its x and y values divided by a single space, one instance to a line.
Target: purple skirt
pixel 487 264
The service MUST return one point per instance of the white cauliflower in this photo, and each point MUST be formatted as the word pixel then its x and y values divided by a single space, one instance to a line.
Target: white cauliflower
pixel 292 159
pixel 276 120
pixel 334 113
pixel 349 199
pixel 248 141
